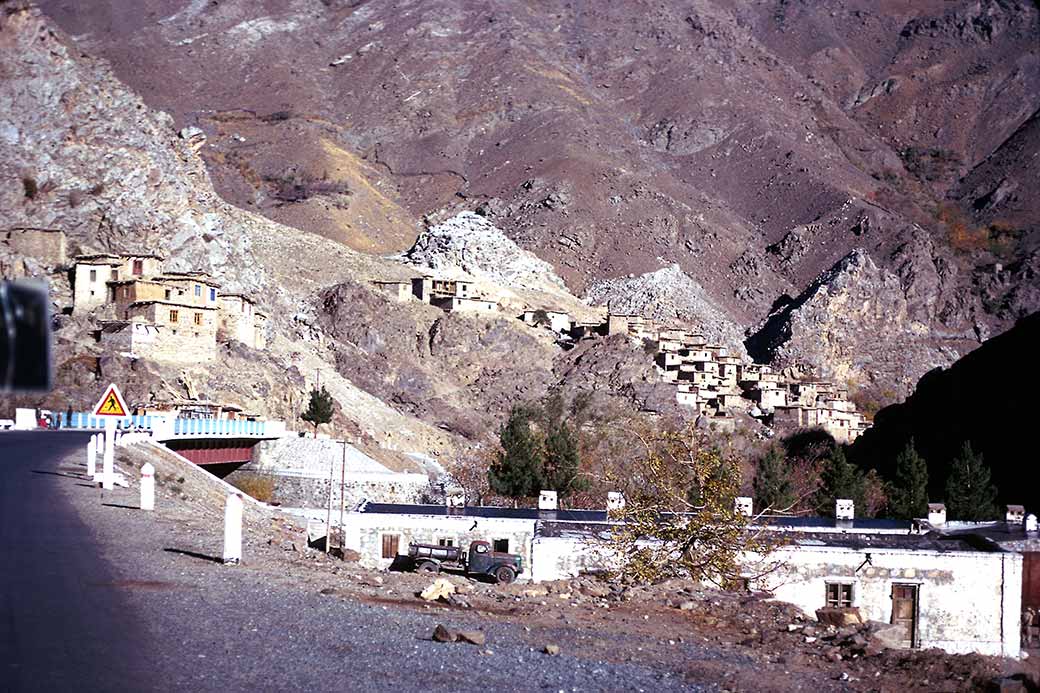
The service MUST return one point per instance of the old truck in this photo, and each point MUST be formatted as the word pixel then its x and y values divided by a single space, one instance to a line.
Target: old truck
pixel 479 560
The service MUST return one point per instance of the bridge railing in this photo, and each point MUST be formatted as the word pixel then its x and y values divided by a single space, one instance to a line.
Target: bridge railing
pixel 165 427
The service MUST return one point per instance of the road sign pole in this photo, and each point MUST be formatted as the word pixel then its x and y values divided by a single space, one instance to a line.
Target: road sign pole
pixel 107 471
pixel 233 529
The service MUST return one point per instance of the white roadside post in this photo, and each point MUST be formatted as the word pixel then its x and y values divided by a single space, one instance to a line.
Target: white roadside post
pixel 91 456
pixel 108 461
pixel 233 529
pixel 147 486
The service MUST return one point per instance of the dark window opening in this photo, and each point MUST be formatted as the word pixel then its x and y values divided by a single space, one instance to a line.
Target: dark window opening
pixel 839 594
pixel 445 542
pixel 501 545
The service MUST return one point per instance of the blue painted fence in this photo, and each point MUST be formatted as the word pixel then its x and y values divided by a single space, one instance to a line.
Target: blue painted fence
pixel 181 427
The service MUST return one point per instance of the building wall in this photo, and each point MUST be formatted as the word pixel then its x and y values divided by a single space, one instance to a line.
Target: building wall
pixel 138 338
pixel 364 534
pixel 183 341
pixel 311 491
pixel 968 601
pixel 90 285
pixel 46 246
pixel 238 320
pixel 558 558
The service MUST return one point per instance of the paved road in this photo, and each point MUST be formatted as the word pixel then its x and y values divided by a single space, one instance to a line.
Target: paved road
pixel 96 595
pixel 56 621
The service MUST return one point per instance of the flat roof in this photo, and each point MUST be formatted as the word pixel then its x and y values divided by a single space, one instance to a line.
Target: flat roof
pixel 189 277
pixel 171 303
pixel 116 256
pixel 484 511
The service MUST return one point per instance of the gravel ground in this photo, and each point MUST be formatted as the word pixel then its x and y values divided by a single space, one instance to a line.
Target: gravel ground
pixel 290 617
pixel 206 626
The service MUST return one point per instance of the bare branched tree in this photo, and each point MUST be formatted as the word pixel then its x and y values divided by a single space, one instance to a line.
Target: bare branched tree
pixel 680 518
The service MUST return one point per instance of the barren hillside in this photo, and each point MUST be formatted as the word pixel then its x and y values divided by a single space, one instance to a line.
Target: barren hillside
pixel 754 144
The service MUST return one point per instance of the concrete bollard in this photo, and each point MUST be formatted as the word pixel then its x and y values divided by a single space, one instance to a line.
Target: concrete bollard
pixel 233 530
pixel 147 487
pixel 108 460
pixel 92 456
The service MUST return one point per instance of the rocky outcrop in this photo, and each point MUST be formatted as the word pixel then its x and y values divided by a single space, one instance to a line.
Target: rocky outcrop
pixel 669 294
pixel 857 324
pixel 472 244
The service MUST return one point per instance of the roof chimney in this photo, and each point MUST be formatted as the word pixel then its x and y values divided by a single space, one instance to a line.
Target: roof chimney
pixel 547 500
pixel 1015 518
pixel 937 515
pixel 615 501
pixel 844 512
pixel 743 505
pixel 455 498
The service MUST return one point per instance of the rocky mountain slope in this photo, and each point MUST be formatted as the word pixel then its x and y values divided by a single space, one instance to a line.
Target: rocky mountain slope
pixel 985 399
pixel 82 153
pixel 753 144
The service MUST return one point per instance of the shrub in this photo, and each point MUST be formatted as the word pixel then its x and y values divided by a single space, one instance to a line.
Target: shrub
pixel 258 486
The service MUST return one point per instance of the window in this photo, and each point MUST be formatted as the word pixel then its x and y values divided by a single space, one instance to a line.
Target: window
pixel 138 266
pixel 501 545
pixel 198 318
pixel 839 594
pixel 168 292
pixel 93 275
pixel 213 294
pixel 173 316
pixel 114 274
pixel 198 289
pixel 390 544
pixel 445 542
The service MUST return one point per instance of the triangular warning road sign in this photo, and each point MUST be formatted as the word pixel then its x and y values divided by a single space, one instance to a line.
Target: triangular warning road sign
pixel 112 404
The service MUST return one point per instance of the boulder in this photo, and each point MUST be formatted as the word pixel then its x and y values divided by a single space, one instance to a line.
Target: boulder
pixel 833 616
pixel 443 634
pixel 551 650
pixel 438 589
pixel 474 637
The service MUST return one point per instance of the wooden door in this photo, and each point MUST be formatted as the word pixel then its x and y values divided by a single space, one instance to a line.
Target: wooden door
pixel 904 610
pixel 390 545
pixel 1031 579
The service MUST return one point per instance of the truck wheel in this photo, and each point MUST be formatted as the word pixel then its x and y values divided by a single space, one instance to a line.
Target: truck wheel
pixel 504 575
pixel 428 567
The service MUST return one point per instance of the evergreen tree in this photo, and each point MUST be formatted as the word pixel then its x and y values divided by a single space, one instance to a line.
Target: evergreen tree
pixel 562 461
pixel 840 479
pixel 517 469
pixel 908 492
pixel 319 409
pixel 772 486
pixel 969 493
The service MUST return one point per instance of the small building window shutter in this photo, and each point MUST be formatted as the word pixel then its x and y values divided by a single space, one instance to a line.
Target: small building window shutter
pixel 138 267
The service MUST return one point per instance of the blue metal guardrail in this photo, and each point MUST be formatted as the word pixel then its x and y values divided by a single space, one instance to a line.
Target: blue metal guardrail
pixel 181 427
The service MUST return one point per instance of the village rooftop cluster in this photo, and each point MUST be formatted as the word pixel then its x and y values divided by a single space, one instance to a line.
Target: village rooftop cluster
pixel 708 378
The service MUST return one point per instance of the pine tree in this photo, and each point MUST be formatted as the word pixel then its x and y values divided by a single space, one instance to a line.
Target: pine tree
pixel 840 479
pixel 908 492
pixel 969 493
pixel 319 409
pixel 517 470
pixel 772 487
pixel 562 461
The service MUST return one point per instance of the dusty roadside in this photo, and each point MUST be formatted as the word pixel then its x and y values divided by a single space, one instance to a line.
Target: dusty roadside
pixel 286 598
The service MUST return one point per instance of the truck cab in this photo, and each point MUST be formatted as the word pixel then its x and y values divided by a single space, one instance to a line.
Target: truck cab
pixel 479 560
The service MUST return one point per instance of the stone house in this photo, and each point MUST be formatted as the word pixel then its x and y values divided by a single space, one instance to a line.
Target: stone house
pixel 91 274
pixel 556 320
pixel 451 295
pixel 399 290
pixel 241 321
pixel 888 570
pixel 129 337
pixel 186 333
pixel 194 288
pixel 47 246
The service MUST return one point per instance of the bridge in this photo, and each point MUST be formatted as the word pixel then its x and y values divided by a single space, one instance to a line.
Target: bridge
pixel 219 445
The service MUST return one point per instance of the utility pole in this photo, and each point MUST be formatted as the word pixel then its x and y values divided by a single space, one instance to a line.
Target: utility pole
pixel 328 516
pixel 342 494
